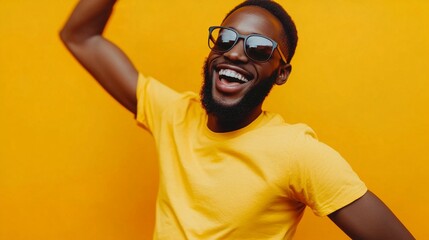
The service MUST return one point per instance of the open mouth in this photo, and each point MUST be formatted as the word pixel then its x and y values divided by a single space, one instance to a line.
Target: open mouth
pixel 232 76
pixel 231 80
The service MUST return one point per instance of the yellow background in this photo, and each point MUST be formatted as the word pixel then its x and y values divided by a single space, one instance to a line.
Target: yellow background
pixel 74 165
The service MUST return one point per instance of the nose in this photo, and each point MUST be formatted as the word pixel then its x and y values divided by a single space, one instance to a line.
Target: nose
pixel 236 53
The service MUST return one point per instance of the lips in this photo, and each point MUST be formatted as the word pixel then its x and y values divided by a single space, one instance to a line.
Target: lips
pixel 230 79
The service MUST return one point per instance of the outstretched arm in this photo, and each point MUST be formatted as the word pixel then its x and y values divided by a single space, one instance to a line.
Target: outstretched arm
pixel 369 218
pixel 82 35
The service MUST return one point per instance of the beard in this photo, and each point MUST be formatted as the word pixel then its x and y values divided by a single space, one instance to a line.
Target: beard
pixel 252 99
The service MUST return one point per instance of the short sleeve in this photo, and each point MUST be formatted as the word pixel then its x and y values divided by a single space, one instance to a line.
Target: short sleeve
pixel 153 98
pixel 324 180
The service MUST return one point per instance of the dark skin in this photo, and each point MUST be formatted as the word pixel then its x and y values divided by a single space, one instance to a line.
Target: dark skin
pixel 246 22
pixel 366 218
pixel 82 35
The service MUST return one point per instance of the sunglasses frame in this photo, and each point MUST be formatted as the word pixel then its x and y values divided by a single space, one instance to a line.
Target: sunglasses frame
pixel 244 37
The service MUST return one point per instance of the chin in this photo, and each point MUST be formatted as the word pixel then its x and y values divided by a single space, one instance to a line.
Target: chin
pixel 233 110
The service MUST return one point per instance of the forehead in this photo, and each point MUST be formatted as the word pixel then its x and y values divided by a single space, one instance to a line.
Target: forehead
pixel 253 19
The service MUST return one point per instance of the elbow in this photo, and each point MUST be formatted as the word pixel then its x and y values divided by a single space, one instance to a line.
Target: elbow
pixel 73 39
pixel 68 37
pixel 65 36
pixel 69 41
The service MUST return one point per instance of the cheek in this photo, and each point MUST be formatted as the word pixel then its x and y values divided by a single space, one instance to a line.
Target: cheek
pixel 266 70
pixel 213 56
pixel 212 60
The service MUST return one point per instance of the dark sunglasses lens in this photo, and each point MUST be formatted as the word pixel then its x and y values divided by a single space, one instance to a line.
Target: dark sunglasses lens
pixel 222 39
pixel 259 48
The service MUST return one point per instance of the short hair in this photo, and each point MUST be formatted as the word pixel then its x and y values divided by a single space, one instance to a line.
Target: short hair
pixel 289 28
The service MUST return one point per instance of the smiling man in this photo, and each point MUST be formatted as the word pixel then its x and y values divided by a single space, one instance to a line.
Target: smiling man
pixel 238 77
pixel 228 169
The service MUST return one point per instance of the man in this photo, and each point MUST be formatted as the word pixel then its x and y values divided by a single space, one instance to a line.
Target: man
pixel 228 169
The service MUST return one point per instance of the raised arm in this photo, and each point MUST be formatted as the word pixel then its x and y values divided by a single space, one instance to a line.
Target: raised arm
pixel 82 35
pixel 369 218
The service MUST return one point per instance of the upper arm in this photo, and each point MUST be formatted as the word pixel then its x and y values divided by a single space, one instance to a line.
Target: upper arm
pixel 369 218
pixel 109 66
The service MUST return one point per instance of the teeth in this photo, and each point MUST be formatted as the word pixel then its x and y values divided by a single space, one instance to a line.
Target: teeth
pixel 232 74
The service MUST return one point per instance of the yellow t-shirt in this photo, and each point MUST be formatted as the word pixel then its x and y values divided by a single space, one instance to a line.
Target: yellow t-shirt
pixel 252 183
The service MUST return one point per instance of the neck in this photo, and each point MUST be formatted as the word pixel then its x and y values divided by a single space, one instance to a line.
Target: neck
pixel 221 124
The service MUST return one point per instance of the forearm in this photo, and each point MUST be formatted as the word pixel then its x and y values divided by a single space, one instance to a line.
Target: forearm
pixel 88 19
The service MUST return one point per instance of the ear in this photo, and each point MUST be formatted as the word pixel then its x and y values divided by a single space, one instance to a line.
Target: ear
pixel 283 73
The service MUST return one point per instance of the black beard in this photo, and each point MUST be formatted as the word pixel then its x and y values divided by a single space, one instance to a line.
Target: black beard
pixel 244 107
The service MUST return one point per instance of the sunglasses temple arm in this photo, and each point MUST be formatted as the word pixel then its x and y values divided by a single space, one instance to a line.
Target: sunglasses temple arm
pixel 282 55
pixel 212 39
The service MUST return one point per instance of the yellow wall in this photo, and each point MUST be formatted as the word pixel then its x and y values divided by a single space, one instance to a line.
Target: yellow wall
pixel 74 165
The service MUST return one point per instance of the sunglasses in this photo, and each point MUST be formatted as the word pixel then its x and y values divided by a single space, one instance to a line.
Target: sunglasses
pixel 257 47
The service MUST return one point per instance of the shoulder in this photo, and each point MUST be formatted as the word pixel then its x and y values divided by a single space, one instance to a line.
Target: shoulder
pixel 277 129
pixel 297 146
pixel 185 108
pixel 155 101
